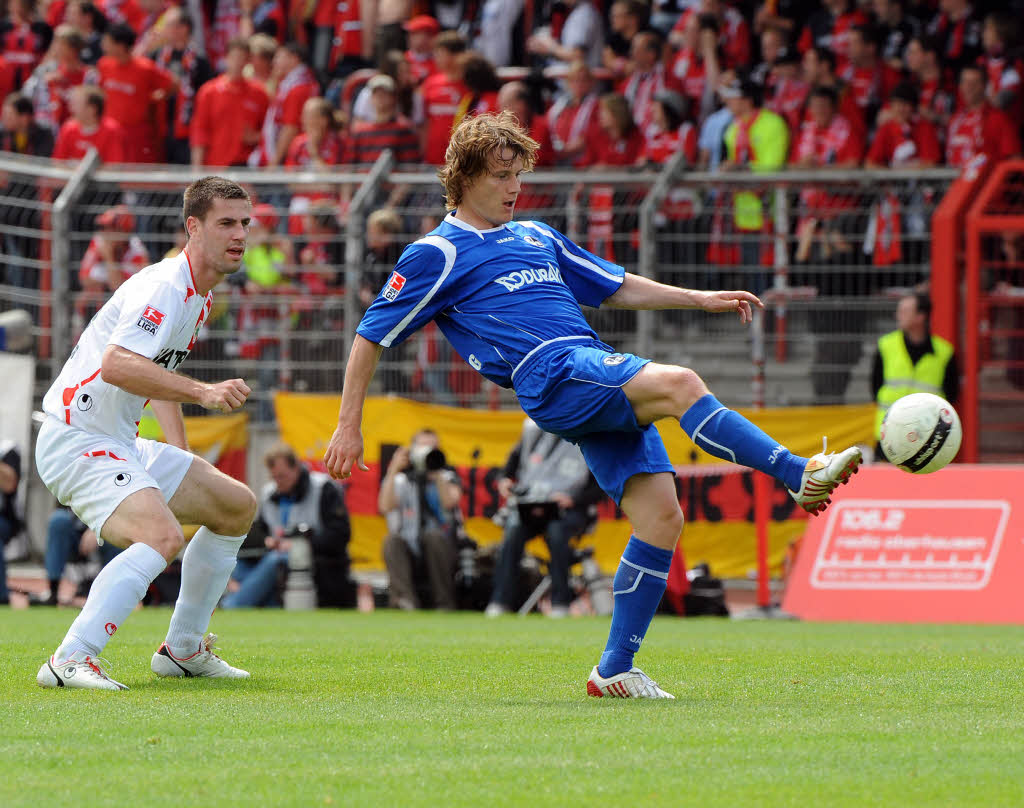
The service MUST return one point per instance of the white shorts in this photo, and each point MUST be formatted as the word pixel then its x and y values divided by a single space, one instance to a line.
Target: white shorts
pixel 93 473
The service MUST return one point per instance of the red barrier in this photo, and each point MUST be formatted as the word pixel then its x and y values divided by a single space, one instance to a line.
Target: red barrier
pixel 895 547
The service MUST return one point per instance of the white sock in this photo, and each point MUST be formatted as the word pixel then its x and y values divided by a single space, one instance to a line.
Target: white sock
pixel 116 591
pixel 205 569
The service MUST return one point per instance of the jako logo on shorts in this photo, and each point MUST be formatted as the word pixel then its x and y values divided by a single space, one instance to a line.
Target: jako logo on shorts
pixel 517 280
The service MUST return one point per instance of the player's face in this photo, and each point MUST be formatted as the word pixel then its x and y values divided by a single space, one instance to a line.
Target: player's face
pixel 221 236
pixel 490 199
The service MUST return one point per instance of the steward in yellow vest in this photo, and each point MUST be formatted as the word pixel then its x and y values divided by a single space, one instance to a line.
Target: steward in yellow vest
pixel 912 360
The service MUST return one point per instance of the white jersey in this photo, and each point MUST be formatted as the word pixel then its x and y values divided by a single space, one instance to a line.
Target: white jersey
pixel 156 313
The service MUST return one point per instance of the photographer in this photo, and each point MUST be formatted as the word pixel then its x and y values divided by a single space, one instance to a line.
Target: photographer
pixel 548 490
pixel 297 503
pixel 420 497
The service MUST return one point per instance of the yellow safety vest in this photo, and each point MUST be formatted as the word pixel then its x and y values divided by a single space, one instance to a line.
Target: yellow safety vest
pixel 901 377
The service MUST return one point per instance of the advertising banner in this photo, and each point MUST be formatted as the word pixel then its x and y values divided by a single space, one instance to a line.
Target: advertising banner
pixel 716 497
pixel 896 547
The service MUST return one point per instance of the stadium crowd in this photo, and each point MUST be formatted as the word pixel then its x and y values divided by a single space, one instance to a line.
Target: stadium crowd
pixel 734 86
pixel 241 82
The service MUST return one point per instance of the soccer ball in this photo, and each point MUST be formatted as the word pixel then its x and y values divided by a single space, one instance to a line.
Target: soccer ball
pixel 921 433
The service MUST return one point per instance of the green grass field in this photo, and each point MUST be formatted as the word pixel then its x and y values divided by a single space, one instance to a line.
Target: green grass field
pixel 423 709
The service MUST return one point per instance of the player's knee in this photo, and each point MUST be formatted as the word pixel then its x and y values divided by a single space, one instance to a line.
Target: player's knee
pixel 671 520
pixel 687 387
pixel 236 514
pixel 168 541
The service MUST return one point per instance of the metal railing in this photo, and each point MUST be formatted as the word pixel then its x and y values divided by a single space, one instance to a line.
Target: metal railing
pixel 828 250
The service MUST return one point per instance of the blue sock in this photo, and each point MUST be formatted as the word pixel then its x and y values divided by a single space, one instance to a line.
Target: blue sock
pixel 639 584
pixel 725 433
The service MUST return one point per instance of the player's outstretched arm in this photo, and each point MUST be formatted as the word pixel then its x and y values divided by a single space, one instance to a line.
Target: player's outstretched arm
pixel 140 376
pixel 638 292
pixel 345 450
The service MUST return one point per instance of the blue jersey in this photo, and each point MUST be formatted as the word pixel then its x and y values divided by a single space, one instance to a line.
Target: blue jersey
pixel 498 295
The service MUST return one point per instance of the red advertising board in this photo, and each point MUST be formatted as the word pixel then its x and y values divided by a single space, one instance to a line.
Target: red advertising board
pixel 897 547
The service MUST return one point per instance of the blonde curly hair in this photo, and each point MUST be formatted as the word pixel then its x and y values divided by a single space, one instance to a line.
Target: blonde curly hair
pixel 474 141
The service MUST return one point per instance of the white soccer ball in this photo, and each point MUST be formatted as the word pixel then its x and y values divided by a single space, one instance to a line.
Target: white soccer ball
pixel 921 433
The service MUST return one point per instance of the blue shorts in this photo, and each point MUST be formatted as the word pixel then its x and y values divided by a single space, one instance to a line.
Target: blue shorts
pixel 575 391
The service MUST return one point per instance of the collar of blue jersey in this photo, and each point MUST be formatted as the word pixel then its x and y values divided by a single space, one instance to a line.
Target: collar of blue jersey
pixel 450 218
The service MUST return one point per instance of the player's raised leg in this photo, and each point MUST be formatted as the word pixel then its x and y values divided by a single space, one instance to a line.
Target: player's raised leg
pixel 226 509
pixel 649 500
pixel 145 526
pixel 662 391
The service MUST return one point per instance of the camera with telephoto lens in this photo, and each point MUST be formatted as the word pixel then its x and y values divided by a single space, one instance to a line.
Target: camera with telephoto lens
pixel 424 459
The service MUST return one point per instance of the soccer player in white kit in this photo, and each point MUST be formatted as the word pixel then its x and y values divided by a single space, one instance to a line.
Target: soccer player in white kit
pixel 136 493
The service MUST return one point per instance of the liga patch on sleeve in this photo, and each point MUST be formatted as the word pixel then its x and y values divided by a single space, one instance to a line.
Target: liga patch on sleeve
pixel 394 286
pixel 150 320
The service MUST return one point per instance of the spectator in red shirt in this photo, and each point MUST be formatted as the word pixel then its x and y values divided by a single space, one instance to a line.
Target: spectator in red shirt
pixel 826 138
pixel 8 77
pixel 229 112
pixel 935 96
pixel 830 26
pixel 787 90
pixel 735 33
pixel 869 78
pixel 646 78
pixel 317 147
pixel 114 255
pixel 24 38
pixel 88 126
pixel 572 118
pixel 697 65
pixel 958 29
pixel 296 84
pixel 134 87
pixel 670 132
pixel 620 143
pixel 904 139
pixel 50 85
pixel 819 70
pixel 422 30
pixel 440 96
pixel 979 127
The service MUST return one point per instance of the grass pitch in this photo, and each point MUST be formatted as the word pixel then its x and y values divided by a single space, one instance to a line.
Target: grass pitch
pixel 396 709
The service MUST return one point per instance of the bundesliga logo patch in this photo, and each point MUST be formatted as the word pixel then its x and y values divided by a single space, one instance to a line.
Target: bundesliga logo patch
pixel 393 286
pixel 150 320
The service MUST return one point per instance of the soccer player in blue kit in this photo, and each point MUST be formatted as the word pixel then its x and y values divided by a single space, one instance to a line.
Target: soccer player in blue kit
pixel 507 296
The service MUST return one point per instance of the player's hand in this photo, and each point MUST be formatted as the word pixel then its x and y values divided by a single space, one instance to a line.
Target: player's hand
pixel 344 452
pixel 225 396
pixel 741 302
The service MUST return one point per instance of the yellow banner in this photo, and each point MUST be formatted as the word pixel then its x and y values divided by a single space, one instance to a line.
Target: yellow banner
pixel 716 496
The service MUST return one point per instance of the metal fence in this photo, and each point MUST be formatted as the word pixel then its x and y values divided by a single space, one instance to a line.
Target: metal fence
pixel 829 252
